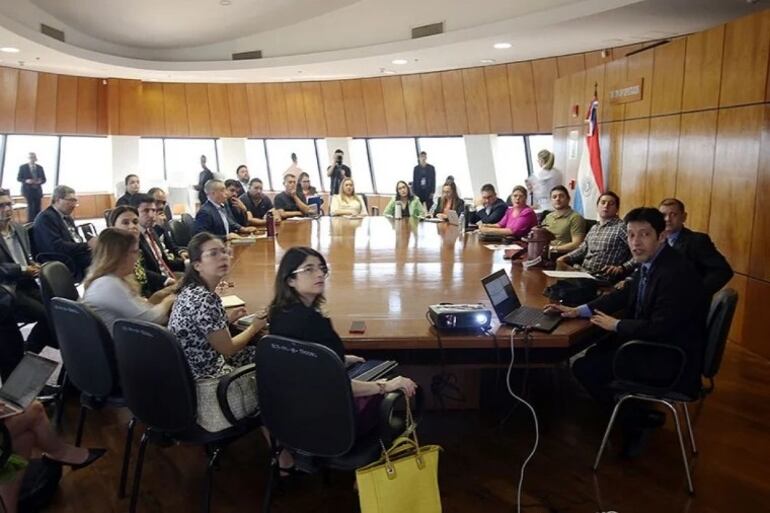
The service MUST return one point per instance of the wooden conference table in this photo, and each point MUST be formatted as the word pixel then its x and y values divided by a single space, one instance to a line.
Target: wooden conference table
pixel 387 272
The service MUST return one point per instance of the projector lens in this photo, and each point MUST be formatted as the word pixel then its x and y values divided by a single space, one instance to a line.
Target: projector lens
pixel 481 319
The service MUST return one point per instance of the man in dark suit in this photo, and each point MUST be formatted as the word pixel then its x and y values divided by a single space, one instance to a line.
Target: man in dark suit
pixel 214 215
pixel 664 302
pixel 424 181
pixel 55 231
pixel 163 218
pixel 492 208
pixel 155 258
pixel 32 177
pixel 696 247
pixel 205 175
pixel 18 271
pixel 132 189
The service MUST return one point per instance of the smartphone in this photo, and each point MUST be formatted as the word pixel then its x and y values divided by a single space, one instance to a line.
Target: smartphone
pixel 358 327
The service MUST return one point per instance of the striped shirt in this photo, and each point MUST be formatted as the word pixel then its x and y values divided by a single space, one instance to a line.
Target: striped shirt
pixel 605 244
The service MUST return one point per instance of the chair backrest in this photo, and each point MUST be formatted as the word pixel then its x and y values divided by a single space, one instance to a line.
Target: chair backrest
pixel 155 377
pixel 107 216
pixel 305 397
pixel 56 281
pixel 180 232
pixel 29 227
pixel 590 224
pixel 86 347
pixel 720 318
pixel 189 221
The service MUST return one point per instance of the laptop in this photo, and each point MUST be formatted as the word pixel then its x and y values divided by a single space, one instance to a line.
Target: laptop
pixel 508 308
pixel 371 370
pixel 24 384
pixel 452 218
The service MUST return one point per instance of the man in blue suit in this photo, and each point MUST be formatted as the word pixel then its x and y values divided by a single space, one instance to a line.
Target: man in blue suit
pixel 215 216
pixel 54 231
pixel 32 177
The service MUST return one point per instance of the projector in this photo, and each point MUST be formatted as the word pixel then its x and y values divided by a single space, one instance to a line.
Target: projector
pixel 448 316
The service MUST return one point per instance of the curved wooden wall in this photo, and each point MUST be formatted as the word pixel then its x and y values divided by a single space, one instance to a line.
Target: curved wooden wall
pixel 700 133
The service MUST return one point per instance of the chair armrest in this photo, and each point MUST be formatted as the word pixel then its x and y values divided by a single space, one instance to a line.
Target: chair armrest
pixel 650 365
pixel 225 382
pixel 391 426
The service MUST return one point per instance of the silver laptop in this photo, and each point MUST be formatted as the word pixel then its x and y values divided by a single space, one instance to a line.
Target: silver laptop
pixel 452 218
pixel 24 384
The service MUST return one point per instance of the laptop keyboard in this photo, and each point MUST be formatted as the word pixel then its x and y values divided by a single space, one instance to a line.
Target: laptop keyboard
pixel 527 316
pixel 369 370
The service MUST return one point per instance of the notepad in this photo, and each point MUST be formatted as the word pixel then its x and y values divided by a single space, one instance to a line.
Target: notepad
pixel 232 301
pixel 514 247
pixel 568 274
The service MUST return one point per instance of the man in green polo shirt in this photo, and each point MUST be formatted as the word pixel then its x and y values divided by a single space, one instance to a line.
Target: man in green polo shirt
pixel 567 226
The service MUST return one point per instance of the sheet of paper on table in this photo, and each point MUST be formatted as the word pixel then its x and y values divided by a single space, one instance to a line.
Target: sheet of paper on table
pixel 495 247
pixel 568 274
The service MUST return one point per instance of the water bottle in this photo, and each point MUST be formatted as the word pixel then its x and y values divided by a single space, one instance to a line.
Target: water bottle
pixel 399 213
pixel 270 223
pixel 461 221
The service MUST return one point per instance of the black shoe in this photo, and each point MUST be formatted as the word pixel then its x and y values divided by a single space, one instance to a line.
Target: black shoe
pixel 93 455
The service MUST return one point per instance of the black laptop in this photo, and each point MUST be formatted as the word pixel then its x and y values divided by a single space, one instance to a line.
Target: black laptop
pixel 508 308
pixel 24 384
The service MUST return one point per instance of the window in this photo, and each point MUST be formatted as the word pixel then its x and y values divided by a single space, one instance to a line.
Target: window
pixel 537 143
pixel 448 156
pixel 392 160
pixel 510 163
pixel 256 161
pixel 279 159
pixel 359 166
pixel 183 160
pixel 322 150
pixel 17 148
pixel 151 164
pixel 85 164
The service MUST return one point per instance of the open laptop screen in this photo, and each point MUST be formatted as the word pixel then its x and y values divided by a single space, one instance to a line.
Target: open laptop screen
pixel 500 291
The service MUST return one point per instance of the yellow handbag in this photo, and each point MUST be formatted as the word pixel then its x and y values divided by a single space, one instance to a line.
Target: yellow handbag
pixel 405 479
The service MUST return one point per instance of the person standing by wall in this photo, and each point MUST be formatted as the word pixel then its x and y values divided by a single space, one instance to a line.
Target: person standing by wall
pixel 542 181
pixel 424 181
pixel 32 177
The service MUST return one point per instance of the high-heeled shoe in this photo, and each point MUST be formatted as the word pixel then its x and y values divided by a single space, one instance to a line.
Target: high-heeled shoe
pixel 93 455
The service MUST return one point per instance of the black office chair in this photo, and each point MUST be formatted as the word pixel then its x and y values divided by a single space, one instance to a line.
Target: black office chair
pixel 590 224
pixel 48 256
pixel 160 391
pixel 107 216
pixel 189 222
pixel 307 405
pixel 662 390
pixel 541 216
pixel 180 232
pixel 89 354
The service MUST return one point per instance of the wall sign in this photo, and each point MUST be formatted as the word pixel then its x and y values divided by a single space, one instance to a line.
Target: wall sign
pixel 627 92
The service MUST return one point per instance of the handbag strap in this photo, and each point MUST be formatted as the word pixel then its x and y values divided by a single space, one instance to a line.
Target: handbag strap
pixel 405 443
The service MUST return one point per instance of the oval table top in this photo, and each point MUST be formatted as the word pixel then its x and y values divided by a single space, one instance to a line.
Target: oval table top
pixel 387 272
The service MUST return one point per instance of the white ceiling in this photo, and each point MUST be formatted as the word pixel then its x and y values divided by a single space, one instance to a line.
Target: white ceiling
pixel 328 39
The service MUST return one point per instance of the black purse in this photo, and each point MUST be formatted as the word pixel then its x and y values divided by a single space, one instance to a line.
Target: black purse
pixel 573 291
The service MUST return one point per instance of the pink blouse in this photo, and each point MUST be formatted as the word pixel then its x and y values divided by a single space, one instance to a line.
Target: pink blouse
pixel 518 221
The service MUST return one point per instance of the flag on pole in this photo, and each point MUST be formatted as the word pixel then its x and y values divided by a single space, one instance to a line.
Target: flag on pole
pixel 590 178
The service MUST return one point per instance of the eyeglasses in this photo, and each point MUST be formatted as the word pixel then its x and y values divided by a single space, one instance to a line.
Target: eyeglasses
pixel 6 204
pixel 312 269
pixel 71 200
pixel 215 252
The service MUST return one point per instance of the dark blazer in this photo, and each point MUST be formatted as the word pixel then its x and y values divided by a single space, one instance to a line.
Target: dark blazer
pixel 125 200
pixel 150 264
pixel 208 220
pixel 52 236
pixel 459 207
pixel 496 214
pixel 29 190
pixel 10 271
pixel 712 267
pixel 203 177
pixel 428 173
pixel 302 322
pixel 673 311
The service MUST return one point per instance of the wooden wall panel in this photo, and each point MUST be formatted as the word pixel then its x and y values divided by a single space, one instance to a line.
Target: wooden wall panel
pixel 614 75
pixel 453 91
pixel 355 112
pixel 561 90
pixel 334 109
pixel 413 103
pixel 45 111
pixel 545 73
pixel 577 90
pixel 668 77
pixel 640 65
pixel 476 102
pixel 154 118
pixel 26 101
pixel 238 105
pixel 175 116
pixel 594 82
pixel 695 172
pixel 521 84
pixel 498 99
pixel 739 283
pixel 736 162
pixel 314 109
pixel 395 112
pixel 594 59
pixel 746 53
pixel 433 102
pixel 760 239
pixel 569 64
pixel 103 115
pixel 611 145
pixel 67 105
pixel 703 69
pixel 113 105
pixel 295 109
pixel 130 92
pixel 277 116
pixel 634 163
pixel 755 320
pixel 374 106
pixel 198 114
pixel 88 105
pixel 219 110
pixel 255 95
pixel 662 158
pixel 9 83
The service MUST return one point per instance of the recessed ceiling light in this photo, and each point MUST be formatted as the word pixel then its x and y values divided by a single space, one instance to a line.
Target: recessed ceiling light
pixel 502 46
pixel 225 2
pixel 488 61
pixel 399 61
pixel 9 49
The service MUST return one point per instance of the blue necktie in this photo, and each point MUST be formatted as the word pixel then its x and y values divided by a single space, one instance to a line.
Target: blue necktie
pixel 644 274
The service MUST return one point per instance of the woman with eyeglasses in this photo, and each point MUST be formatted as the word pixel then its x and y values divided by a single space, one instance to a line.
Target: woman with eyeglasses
pixel 108 293
pixel 297 311
pixel 410 204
